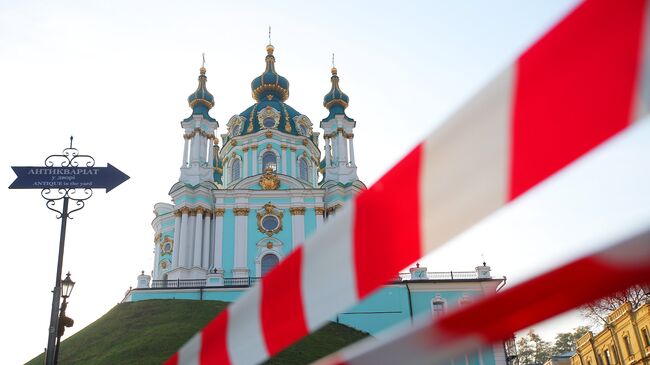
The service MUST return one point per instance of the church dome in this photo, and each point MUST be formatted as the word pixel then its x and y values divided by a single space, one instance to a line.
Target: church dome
pixel 336 100
pixel 270 90
pixel 270 85
pixel 201 100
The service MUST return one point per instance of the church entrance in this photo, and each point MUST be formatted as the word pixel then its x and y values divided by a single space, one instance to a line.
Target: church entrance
pixel 269 261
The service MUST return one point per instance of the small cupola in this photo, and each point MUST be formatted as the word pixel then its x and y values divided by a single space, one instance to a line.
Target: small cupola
pixel 336 100
pixel 270 85
pixel 201 101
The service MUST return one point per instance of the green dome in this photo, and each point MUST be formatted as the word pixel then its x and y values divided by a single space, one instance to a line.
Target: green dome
pixel 270 85
pixel 201 101
pixel 336 100
pixel 277 112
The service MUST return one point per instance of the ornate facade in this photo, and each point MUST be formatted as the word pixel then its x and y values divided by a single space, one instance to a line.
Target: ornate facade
pixel 241 208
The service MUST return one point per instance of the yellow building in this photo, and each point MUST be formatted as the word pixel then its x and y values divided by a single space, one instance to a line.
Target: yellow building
pixel 625 340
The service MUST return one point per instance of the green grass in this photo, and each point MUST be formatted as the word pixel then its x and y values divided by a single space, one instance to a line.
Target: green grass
pixel 148 332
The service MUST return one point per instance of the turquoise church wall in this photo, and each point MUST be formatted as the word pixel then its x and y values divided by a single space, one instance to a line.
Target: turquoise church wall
pixel 228 241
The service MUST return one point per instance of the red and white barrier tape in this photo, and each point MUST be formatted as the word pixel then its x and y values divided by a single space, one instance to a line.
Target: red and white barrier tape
pixel 581 83
pixel 496 317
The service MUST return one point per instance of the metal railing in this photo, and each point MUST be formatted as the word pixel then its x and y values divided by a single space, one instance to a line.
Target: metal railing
pixel 248 281
pixel 187 283
pixel 442 275
pixel 201 283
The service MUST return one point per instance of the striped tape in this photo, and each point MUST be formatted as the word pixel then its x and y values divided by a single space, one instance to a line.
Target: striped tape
pixel 496 317
pixel 581 83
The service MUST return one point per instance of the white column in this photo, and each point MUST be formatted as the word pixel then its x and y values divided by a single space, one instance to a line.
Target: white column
pixel 328 149
pixel 177 239
pixel 343 151
pixel 335 148
pixel 182 254
pixel 192 149
pixel 314 175
pixel 351 143
pixel 191 223
pixel 241 241
pixel 205 247
pixel 254 148
pixel 225 173
pixel 198 238
pixel 284 158
pixel 293 161
pixel 156 260
pixel 297 226
pixel 217 261
pixel 244 168
pixel 319 217
pixel 210 153
pixel 185 151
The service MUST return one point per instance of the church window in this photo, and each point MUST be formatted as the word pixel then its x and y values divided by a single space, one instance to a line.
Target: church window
pixel 303 129
pixel 269 262
pixel 236 170
pixel 235 130
pixel 270 222
pixel 269 160
pixel 269 122
pixel 437 308
pixel 608 359
pixel 303 169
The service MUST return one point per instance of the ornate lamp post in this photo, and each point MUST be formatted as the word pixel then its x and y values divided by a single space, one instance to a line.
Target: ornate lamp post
pixel 66 289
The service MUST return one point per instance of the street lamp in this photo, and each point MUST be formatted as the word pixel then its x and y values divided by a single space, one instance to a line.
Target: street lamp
pixel 66 289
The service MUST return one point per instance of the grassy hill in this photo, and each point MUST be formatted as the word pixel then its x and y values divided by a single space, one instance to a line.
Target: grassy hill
pixel 148 332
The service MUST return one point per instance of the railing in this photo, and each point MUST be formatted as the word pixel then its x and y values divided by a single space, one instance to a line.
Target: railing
pixel 191 283
pixel 442 275
pixel 247 281
pixel 200 283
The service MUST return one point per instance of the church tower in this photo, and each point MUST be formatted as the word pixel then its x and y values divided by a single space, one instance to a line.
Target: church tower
pixel 339 168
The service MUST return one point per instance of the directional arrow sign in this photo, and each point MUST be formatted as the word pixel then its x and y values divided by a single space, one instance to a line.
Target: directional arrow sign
pixel 33 177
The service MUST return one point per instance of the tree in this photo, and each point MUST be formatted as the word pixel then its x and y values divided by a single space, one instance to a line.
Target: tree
pixel 531 349
pixel 598 310
pixel 566 341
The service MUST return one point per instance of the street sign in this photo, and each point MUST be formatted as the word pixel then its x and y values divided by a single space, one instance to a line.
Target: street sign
pixel 40 177
pixel 65 177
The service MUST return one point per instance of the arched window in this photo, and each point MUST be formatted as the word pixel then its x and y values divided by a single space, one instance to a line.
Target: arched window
pixel 303 129
pixel 269 261
pixel 236 170
pixel 303 169
pixel 437 308
pixel 235 130
pixel 269 122
pixel 269 160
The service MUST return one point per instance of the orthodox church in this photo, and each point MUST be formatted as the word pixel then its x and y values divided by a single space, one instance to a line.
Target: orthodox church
pixel 240 208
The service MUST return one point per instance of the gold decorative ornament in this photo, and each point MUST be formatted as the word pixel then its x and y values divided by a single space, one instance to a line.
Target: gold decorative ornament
pixel 234 142
pixel 269 180
pixel 233 155
pixel 292 149
pixel 283 146
pixel 218 212
pixel 297 211
pixel 254 146
pixel 304 142
pixel 269 146
pixel 268 112
pixel 177 213
pixel 245 149
pixel 269 245
pixel 241 211
pixel 319 210
pixel 268 134
pixel 185 210
pixel 269 210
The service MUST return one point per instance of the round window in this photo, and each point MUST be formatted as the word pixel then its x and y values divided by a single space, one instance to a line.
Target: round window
pixel 303 129
pixel 235 130
pixel 269 122
pixel 270 222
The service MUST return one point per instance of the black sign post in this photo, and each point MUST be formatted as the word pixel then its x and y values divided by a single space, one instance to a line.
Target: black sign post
pixel 65 177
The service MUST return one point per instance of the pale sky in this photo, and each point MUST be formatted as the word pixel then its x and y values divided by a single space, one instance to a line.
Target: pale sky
pixel 116 75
